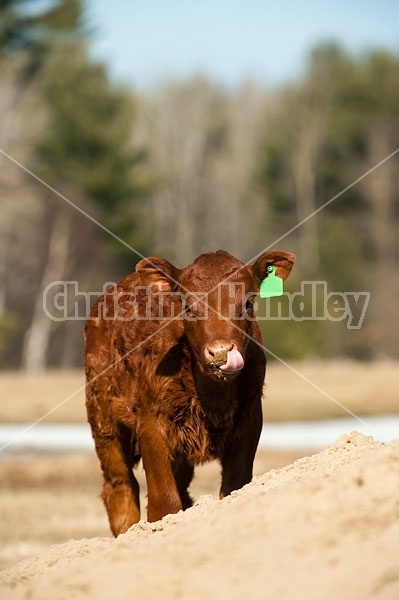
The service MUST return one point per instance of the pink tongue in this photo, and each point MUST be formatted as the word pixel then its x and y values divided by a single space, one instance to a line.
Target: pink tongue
pixel 235 361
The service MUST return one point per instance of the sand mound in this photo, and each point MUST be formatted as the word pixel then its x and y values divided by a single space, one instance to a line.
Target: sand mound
pixel 325 527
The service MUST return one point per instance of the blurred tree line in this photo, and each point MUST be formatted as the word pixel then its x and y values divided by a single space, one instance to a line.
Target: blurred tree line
pixel 188 167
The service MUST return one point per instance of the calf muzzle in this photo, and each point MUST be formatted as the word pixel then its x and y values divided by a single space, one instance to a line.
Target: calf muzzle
pixel 224 356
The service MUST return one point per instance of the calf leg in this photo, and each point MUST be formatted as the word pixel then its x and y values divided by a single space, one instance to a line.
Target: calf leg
pixel 237 461
pixel 113 442
pixel 183 472
pixel 163 494
pixel 120 491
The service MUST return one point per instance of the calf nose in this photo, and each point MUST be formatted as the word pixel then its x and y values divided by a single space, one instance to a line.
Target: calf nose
pixel 216 354
pixel 225 356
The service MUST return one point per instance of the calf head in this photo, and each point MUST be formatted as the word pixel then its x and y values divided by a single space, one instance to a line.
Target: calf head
pixel 217 293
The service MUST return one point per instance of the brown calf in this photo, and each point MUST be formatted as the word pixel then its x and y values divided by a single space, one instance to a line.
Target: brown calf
pixel 175 371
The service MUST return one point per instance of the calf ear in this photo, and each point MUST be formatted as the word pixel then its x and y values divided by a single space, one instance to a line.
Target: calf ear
pixel 282 261
pixel 158 273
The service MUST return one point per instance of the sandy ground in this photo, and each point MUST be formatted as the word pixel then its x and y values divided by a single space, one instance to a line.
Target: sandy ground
pixel 326 526
pixel 50 498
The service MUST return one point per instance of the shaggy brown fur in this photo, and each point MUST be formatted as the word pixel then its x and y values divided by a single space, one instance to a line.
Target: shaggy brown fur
pixel 156 389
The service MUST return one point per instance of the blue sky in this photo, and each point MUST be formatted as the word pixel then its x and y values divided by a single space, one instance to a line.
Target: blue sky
pixel 230 40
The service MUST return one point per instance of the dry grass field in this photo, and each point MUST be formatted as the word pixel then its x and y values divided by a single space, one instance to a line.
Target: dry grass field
pixel 304 391
pixel 51 498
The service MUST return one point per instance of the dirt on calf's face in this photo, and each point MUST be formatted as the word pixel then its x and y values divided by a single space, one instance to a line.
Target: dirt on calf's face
pixel 220 358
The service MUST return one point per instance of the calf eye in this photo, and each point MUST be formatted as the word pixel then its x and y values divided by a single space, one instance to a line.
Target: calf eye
pixel 249 304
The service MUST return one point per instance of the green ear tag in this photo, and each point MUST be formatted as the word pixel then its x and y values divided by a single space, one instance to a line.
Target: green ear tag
pixel 272 285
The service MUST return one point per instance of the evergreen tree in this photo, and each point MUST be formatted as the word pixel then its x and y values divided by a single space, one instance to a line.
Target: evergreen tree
pixel 86 145
pixel 82 150
pixel 351 105
pixel 26 29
